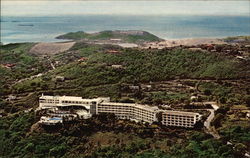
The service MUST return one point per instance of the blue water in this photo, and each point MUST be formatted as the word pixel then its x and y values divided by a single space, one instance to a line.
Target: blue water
pixel 168 27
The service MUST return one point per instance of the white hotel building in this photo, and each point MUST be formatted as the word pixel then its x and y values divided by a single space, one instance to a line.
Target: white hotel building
pixel 180 118
pixel 132 111
pixel 46 101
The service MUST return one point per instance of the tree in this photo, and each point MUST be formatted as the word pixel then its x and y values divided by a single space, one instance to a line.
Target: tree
pixel 223 109
pixel 240 149
pixel 29 147
pixel 222 100
pixel 207 92
pixel 46 78
pixel 217 120
pixel 247 100
pixel 58 151
pixel 33 84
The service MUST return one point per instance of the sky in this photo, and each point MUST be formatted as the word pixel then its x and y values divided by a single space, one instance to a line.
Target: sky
pixel 78 7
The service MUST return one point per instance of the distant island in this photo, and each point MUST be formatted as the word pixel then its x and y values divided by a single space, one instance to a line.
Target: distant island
pixel 15 21
pixel 25 25
pixel 130 36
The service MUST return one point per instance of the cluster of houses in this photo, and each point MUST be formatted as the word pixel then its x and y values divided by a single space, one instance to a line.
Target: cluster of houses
pixel 240 51
pixel 8 66
pixel 95 106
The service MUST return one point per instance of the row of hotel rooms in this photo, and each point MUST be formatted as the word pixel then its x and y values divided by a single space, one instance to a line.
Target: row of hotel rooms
pixel 131 111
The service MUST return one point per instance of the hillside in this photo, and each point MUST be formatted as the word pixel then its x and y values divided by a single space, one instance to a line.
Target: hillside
pixel 238 39
pixel 88 68
pixel 51 48
pixel 120 36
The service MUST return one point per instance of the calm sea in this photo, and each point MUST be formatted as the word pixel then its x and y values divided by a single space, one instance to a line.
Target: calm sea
pixel 37 29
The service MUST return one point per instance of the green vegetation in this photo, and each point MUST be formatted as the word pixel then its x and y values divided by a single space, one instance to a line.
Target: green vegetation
pixel 225 92
pixel 84 141
pixel 163 64
pixel 159 98
pixel 93 139
pixel 14 140
pixel 238 38
pixel 130 36
pixel 139 66
pixel 86 78
pixel 21 64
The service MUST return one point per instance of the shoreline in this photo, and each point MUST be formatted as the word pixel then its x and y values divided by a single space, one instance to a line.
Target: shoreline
pixel 169 42
pixel 185 42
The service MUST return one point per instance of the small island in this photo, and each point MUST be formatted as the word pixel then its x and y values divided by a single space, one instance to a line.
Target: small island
pixel 128 36
pixel 25 25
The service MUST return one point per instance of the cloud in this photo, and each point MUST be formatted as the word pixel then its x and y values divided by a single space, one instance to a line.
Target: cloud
pixel 55 7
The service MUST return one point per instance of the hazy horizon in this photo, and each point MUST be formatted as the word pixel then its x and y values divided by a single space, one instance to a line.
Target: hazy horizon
pixel 55 8
pixel 23 21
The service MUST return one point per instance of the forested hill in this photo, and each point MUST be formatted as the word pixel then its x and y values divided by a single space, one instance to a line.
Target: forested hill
pixel 138 65
pixel 131 36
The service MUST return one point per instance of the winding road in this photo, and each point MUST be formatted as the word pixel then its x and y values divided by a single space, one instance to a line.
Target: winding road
pixel 210 129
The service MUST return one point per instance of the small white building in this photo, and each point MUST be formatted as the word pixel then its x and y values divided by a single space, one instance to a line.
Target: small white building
pixel 134 87
pixel 248 115
pixel 11 97
pixel 194 98
pixel 146 87
pixel 117 66
pixel 60 78
pixel 115 39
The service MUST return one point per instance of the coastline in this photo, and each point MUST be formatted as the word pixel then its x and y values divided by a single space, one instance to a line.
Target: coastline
pixel 172 27
pixel 156 44
pixel 186 42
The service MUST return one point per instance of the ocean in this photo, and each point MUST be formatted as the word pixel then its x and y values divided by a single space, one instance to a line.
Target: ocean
pixel 45 29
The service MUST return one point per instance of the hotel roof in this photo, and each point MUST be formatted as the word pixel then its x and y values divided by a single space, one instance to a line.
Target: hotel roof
pixel 179 112
pixel 71 98
pixel 146 107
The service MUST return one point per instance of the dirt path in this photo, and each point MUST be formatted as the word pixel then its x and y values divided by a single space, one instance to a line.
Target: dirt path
pixel 29 78
pixel 51 64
